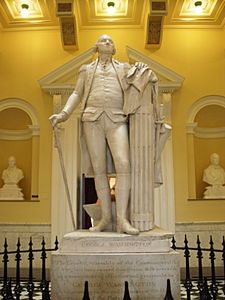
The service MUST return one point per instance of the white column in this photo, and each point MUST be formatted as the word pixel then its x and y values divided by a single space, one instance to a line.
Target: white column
pixel 164 195
pixel 35 168
pixel 35 161
pixel 69 138
pixel 142 169
pixel 191 160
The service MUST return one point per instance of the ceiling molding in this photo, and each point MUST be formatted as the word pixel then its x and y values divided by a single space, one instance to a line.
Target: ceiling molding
pixel 36 28
pixel 155 20
pixel 194 26
pixel 205 132
pixel 209 133
pixel 19 135
pixel 88 15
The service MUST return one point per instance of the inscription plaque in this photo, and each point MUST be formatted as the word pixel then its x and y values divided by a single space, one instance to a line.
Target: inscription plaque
pixel 106 273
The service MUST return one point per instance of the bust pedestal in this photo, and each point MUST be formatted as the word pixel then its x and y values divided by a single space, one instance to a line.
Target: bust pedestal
pixel 106 260
pixel 214 192
pixel 11 192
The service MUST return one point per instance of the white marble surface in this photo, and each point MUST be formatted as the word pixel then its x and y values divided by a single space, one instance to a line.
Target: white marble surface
pixel 214 175
pixel 11 192
pixel 11 177
pixel 106 260
pixel 156 240
pixel 106 273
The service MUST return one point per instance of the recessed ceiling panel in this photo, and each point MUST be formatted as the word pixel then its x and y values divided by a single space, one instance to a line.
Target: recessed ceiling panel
pixel 41 12
pixel 183 12
pixel 102 6
pixel 15 6
pixel 189 9
pixel 127 12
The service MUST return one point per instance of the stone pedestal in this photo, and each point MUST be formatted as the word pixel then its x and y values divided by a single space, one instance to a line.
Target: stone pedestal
pixel 11 192
pixel 107 260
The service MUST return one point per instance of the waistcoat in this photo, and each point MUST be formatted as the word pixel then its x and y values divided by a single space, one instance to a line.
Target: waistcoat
pixel 105 95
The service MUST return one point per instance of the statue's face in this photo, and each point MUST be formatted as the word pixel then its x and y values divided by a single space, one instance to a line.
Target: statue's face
pixel 215 159
pixel 12 161
pixel 105 45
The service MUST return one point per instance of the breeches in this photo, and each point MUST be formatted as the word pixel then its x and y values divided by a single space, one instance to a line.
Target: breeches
pixel 102 132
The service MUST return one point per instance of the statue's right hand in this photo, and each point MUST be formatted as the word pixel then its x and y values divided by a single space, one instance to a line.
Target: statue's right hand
pixel 53 120
pixel 58 118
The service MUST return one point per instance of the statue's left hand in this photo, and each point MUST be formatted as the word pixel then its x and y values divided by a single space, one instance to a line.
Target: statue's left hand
pixel 140 65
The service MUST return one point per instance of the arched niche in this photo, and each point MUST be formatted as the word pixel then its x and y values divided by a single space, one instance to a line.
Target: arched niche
pixel 205 135
pixel 19 136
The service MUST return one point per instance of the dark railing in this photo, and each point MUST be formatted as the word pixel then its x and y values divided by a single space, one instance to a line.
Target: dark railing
pixel 7 292
pixel 126 295
pixel 207 285
pixel 12 288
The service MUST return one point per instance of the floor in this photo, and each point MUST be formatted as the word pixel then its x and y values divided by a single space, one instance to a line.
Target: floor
pixel 24 295
pixel 194 293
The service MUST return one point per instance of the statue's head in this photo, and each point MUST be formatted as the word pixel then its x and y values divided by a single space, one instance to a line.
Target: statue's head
pixel 214 159
pixel 105 45
pixel 12 161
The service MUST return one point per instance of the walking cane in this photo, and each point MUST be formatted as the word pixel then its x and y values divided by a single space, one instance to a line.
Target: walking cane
pixel 59 147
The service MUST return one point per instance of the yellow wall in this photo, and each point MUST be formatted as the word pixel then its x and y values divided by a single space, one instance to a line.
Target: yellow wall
pixel 199 57
pixel 24 57
pixel 196 54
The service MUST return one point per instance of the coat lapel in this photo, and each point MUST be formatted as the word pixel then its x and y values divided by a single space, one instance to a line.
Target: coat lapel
pixel 119 69
pixel 88 81
pixel 90 75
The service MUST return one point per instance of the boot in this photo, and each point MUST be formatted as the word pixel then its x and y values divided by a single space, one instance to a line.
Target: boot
pixel 122 194
pixel 103 193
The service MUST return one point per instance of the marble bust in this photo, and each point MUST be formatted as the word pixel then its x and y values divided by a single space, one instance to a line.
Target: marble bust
pixel 11 177
pixel 214 175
